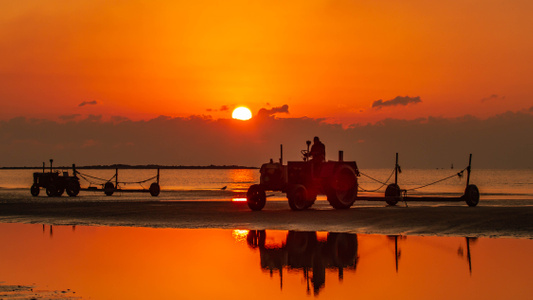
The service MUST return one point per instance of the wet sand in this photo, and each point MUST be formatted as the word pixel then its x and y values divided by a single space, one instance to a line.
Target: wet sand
pixel 436 219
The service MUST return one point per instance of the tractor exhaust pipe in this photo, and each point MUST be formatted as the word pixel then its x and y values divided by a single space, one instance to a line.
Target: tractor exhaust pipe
pixel 341 155
pixel 281 154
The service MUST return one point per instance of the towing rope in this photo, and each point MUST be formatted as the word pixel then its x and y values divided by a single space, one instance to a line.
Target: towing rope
pixel 102 182
pixel 459 174
pixel 376 180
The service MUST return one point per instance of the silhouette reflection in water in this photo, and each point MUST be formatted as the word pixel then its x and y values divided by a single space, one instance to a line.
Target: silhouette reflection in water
pixel 305 251
pixel 460 250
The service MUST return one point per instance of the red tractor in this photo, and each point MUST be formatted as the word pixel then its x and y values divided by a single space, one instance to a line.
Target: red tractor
pixel 303 180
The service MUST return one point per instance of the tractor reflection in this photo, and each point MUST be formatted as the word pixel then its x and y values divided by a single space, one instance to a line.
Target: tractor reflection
pixel 305 251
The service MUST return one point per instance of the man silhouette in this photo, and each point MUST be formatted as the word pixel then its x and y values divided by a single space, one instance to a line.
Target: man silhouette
pixel 318 151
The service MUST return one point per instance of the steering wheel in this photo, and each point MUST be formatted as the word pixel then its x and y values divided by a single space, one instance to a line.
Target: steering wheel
pixel 305 154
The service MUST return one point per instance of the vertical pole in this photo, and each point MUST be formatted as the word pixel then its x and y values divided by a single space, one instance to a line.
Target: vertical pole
pixel 341 155
pixel 44 166
pixel 116 178
pixel 396 170
pixel 396 251
pixel 468 170
pixel 74 170
pixel 468 255
pixel 281 153
pixel 157 175
pixel 51 161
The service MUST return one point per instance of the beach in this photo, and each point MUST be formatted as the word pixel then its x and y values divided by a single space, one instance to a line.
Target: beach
pixel 425 219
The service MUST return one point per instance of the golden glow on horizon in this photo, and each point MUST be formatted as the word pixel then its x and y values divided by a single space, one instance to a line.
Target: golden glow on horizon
pixel 324 59
pixel 242 113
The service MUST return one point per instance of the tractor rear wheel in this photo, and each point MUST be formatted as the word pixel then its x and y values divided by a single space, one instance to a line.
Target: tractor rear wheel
pixel 256 197
pixel 73 188
pixel 342 189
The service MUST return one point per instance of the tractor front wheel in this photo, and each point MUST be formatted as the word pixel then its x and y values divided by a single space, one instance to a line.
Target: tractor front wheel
pixel 35 190
pixel 256 197
pixel 297 196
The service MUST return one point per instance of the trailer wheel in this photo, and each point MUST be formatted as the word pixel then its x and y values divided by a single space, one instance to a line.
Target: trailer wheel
pixel 73 188
pixel 256 197
pixel 52 190
pixel 35 190
pixel 342 190
pixel 109 188
pixel 297 196
pixel 392 193
pixel 155 189
pixel 471 195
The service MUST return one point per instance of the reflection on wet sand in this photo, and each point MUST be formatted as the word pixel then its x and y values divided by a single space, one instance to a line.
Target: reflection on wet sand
pixel 460 250
pixel 304 251
pixel 148 263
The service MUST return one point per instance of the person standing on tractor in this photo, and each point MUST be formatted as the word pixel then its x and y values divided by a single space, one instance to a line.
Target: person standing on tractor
pixel 318 151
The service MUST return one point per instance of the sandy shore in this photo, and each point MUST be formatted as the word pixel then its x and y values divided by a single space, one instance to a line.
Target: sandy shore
pixel 441 219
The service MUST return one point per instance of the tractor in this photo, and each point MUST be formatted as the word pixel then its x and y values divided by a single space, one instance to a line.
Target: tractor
pixel 55 183
pixel 303 180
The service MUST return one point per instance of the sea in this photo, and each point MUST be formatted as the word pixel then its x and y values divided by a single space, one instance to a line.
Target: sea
pixel 43 261
pixel 504 186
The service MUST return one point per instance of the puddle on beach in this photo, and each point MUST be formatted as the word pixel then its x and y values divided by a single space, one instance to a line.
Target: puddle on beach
pixel 147 263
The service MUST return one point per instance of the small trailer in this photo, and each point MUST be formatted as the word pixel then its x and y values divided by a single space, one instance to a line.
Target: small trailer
pixel 56 183
pixel 112 185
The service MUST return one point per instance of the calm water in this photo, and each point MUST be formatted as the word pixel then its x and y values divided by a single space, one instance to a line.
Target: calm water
pixel 145 263
pixel 209 184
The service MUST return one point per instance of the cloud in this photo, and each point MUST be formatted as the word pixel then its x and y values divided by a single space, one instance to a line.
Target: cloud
pixel 69 117
pixel 399 100
pixel 222 108
pixel 263 112
pixel 496 142
pixel 493 97
pixel 88 103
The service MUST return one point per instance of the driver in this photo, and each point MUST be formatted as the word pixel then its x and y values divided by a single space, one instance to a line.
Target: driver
pixel 318 151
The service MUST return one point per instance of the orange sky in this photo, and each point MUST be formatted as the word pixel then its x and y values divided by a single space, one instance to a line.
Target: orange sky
pixel 325 59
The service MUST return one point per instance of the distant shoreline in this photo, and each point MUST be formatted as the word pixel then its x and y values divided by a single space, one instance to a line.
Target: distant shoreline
pixel 123 166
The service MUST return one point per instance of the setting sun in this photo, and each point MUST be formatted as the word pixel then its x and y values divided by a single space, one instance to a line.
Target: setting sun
pixel 241 113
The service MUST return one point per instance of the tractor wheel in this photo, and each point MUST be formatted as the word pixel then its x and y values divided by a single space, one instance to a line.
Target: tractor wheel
pixel 342 190
pixel 155 189
pixel 35 190
pixel 256 197
pixel 343 248
pixel 297 196
pixel 471 195
pixel 73 188
pixel 392 193
pixel 301 242
pixel 52 190
pixel 109 188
